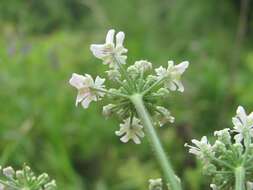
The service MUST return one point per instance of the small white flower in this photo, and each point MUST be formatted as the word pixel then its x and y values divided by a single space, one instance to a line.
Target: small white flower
pixel 130 130
pixel 173 75
pixel 155 184
pixel 243 124
pixel 201 148
pixel 85 86
pixel 8 171
pixel 109 49
pixel 143 65
pixel 249 185
pixel 164 116
pixel 214 187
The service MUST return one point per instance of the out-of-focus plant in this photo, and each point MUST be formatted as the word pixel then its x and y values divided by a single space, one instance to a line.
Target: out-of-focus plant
pixel 24 179
pixel 229 160
pixel 134 96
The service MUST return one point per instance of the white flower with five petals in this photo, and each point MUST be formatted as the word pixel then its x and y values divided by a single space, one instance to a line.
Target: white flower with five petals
pixel 172 75
pixel 243 124
pixel 131 129
pixel 88 89
pixel 109 50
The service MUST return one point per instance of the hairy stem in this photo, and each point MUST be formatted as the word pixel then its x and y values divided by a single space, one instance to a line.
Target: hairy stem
pixel 240 178
pixel 155 142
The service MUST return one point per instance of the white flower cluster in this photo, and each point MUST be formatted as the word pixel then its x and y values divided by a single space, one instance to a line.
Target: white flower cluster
pixel 134 79
pixel 232 148
pixel 24 179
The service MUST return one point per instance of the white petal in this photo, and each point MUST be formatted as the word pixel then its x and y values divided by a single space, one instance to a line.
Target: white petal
pixel 179 85
pixel 238 138
pixel 182 67
pixel 120 39
pixel 140 133
pixel 110 37
pixel 204 140
pixel 120 132
pixel 136 139
pixel 124 139
pixel 237 123
pixel 77 80
pixel 99 81
pixel 171 85
pixel 241 114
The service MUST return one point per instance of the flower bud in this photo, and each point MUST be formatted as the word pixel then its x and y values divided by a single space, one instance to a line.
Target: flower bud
pixel 133 71
pixel 107 110
pixel 223 135
pixel 143 65
pixel 155 184
pixel 8 172
pixel 113 74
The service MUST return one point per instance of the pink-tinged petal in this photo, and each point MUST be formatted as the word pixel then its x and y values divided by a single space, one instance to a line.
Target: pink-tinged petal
pixel 86 102
pixel 110 37
pixel 182 67
pixel 98 50
pixel 77 81
pixel 83 93
pixel 120 39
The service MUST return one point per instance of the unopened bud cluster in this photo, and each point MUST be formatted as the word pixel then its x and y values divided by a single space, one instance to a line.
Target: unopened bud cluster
pixel 155 184
pixel 232 148
pixel 24 179
pixel 139 78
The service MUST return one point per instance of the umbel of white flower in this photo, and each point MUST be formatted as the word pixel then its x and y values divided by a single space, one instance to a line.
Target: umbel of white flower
pixel 231 153
pixel 24 179
pixel 139 78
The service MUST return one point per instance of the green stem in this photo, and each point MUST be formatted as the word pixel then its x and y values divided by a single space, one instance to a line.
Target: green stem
pixel 153 86
pixel 155 142
pixel 109 92
pixel 240 178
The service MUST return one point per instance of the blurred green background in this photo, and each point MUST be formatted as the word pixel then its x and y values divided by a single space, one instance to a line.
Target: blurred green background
pixel 42 42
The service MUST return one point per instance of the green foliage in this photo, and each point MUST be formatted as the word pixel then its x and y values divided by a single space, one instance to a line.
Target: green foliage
pixel 42 42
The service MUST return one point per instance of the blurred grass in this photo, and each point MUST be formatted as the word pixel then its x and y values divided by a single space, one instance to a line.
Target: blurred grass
pixel 43 42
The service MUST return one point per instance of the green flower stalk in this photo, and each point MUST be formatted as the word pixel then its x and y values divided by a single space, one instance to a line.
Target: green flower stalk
pixel 24 179
pixel 229 160
pixel 134 96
